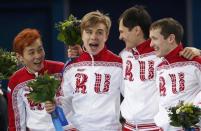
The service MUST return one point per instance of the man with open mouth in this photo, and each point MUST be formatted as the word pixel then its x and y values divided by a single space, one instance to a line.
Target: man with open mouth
pixel 24 114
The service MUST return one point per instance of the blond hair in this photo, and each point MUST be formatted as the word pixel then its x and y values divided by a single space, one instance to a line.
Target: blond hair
pixel 93 18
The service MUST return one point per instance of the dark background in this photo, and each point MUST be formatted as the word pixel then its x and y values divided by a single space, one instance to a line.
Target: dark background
pixel 43 14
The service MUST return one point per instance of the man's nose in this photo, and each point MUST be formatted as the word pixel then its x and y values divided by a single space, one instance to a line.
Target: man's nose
pixel 38 55
pixel 151 44
pixel 93 36
pixel 120 37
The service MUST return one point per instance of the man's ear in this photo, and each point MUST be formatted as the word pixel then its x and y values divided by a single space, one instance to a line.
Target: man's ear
pixel 171 38
pixel 19 58
pixel 138 30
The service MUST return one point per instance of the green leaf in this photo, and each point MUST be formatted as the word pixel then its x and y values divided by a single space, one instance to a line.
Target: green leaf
pixel 184 115
pixel 69 31
pixel 44 88
pixel 61 37
pixel 8 64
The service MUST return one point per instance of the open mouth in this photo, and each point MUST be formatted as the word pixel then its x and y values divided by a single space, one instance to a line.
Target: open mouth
pixel 93 45
pixel 156 49
pixel 37 63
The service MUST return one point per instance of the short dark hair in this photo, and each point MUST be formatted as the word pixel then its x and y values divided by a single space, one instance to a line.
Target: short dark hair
pixel 136 16
pixel 169 26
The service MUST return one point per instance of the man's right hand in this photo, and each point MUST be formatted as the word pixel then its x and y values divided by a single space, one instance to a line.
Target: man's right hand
pixel 49 106
pixel 74 51
pixel 190 52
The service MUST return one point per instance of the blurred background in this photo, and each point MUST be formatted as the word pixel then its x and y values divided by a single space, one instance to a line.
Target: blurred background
pixel 16 15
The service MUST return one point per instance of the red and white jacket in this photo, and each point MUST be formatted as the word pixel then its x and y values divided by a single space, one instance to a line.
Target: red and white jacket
pixel 140 103
pixel 24 113
pixel 178 79
pixel 91 86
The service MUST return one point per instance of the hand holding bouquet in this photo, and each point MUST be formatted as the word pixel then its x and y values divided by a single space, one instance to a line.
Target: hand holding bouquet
pixel 43 89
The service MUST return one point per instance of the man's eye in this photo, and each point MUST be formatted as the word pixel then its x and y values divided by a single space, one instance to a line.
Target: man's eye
pixel 100 32
pixel 89 32
pixel 41 49
pixel 31 53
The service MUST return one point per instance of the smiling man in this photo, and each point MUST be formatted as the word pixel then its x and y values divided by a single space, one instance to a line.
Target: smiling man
pixel 177 79
pixel 23 113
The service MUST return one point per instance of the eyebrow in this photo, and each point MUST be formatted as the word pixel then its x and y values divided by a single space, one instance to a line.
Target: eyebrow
pixel 91 28
pixel 31 49
pixel 100 29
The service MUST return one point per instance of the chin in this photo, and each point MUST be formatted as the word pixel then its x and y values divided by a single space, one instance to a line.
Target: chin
pixel 94 53
pixel 38 68
pixel 159 55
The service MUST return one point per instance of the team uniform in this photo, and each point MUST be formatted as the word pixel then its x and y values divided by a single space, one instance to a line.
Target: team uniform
pixel 140 103
pixel 178 79
pixel 91 87
pixel 23 113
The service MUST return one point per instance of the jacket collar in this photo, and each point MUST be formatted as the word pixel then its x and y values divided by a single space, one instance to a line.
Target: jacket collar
pixel 174 53
pixel 143 48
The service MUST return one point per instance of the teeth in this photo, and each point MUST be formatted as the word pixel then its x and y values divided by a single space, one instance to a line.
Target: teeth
pixel 94 45
pixel 37 62
pixel 155 49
